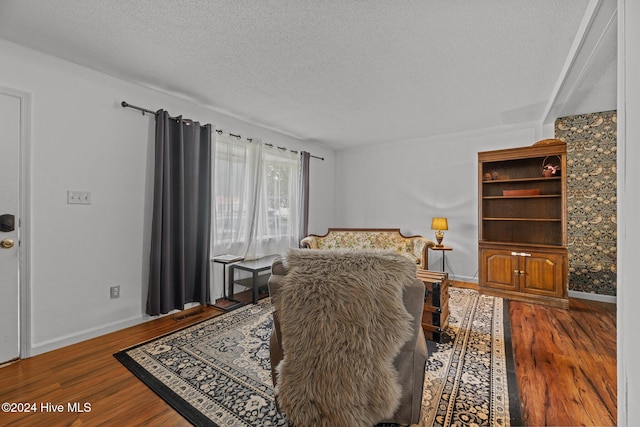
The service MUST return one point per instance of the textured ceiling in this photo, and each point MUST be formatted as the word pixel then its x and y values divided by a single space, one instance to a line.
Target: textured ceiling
pixel 342 73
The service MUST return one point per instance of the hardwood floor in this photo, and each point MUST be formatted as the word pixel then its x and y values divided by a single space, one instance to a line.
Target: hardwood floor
pixel 87 372
pixel 565 362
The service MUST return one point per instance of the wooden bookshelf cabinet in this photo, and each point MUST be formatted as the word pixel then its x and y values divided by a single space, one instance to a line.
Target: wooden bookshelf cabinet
pixel 522 242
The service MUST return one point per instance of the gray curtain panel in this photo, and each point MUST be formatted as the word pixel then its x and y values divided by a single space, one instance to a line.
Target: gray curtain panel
pixel 181 224
pixel 304 187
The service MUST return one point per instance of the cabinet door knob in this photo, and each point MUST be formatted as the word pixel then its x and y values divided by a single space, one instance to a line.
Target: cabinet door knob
pixel 514 253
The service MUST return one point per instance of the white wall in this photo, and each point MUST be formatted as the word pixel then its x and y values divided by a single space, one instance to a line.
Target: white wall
pixel 405 184
pixel 628 212
pixel 82 139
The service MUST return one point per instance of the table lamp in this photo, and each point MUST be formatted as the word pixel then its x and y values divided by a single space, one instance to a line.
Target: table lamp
pixel 439 224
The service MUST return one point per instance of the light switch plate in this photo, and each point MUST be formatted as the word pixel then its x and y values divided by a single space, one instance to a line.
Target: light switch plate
pixel 78 197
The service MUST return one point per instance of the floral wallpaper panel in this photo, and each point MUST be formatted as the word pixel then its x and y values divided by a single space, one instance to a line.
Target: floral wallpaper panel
pixel 591 200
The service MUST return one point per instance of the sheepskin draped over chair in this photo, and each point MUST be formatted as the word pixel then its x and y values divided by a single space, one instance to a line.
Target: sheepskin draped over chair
pixel 347 348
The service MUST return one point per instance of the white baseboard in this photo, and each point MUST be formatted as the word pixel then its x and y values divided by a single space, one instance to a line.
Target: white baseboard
pixel 593 297
pixel 461 278
pixel 87 334
pixel 77 337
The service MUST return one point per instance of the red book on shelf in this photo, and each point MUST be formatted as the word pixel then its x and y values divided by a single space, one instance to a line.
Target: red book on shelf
pixel 532 192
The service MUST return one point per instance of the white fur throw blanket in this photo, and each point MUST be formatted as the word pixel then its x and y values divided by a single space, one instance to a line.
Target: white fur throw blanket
pixel 342 323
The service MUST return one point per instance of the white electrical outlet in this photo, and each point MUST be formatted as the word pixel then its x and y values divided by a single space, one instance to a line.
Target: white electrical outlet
pixel 78 197
pixel 115 291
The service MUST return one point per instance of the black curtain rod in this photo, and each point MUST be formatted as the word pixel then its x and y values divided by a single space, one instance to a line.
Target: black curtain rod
pixel 220 132
pixel 145 110
pixel 125 104
pixel 155 113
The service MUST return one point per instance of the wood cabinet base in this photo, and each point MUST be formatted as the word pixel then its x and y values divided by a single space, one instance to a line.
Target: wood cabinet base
pixel 522 297
pixel 534 274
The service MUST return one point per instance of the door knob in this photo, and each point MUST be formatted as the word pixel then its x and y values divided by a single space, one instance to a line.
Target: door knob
pixel 7 222
pixel 6 244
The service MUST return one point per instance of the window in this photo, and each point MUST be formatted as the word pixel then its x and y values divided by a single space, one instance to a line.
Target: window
pixel 279 204
pixel 256 189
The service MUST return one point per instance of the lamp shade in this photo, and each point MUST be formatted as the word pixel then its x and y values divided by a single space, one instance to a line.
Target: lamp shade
pixel 439 224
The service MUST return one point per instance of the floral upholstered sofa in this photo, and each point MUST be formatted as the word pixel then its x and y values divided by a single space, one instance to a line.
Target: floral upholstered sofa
pixel 415 247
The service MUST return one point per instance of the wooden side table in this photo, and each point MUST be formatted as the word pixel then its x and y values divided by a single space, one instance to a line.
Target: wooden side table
pixel 257 280
pixel 435 313
pixel 226 303
pixel 442 249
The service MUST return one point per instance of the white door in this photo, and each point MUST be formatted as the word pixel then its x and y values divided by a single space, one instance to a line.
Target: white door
pixel 9 203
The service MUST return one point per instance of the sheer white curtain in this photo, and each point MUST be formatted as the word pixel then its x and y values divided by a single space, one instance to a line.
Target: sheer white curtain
pixel 256 198
pixel 235 190
pixel 278 212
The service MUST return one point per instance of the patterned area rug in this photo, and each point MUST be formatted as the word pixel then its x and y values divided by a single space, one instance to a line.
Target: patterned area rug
pixel 217 372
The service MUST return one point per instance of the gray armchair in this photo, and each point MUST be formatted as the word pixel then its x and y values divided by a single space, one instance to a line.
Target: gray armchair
pixel 347 280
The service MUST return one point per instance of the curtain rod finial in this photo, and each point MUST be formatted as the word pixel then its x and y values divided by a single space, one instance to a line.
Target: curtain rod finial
pixel 124 104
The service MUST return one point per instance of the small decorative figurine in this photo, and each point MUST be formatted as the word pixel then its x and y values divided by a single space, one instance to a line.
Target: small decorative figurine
pixel 550 170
